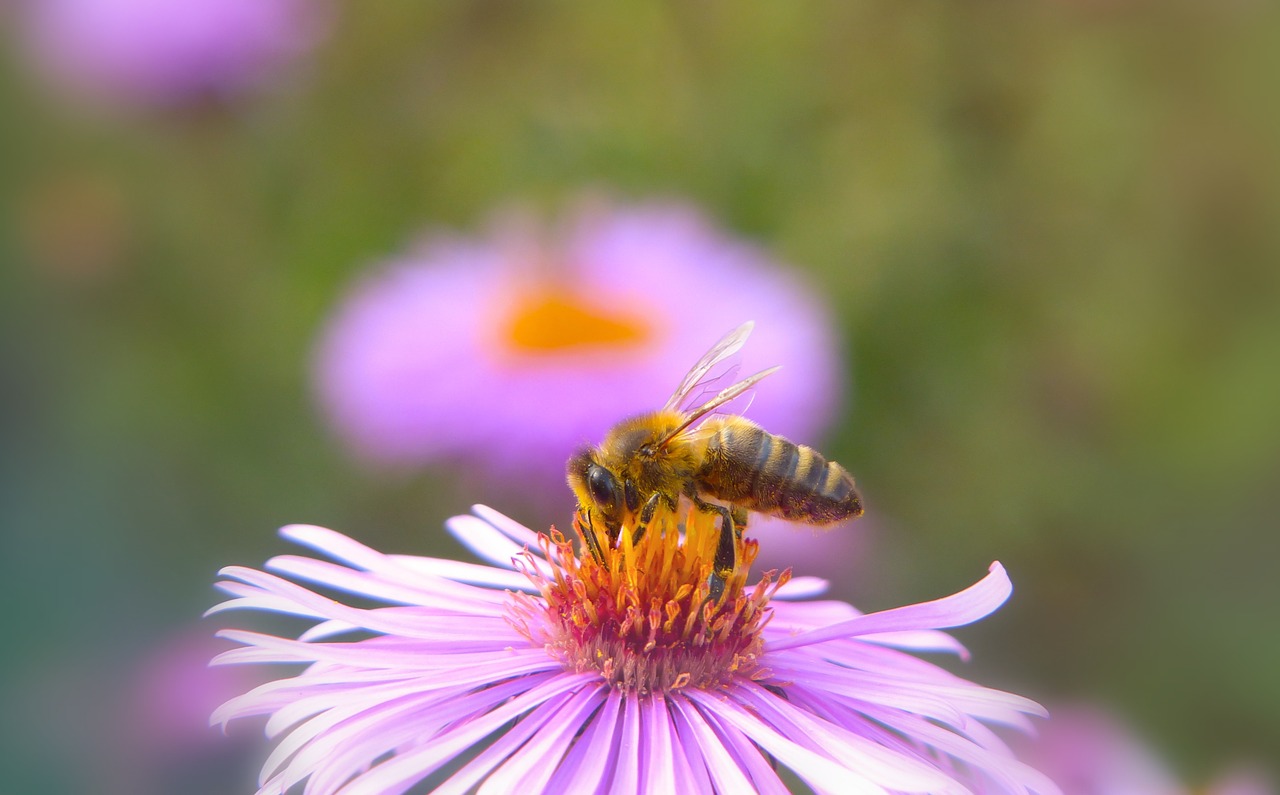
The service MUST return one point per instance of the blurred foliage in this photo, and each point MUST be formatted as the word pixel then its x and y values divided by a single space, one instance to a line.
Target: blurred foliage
pixel 1048 230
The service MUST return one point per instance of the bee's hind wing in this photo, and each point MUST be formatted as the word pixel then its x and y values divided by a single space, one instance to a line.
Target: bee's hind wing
pixel 730 392
pixel 700 375
pixel 725 395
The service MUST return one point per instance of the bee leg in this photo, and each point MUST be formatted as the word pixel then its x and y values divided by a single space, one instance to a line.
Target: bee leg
pixel 739 515
pixel 647 511
pixel 726 559
pixel 589 536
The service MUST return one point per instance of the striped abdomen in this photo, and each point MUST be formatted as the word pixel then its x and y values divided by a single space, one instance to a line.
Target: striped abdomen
pixel 748 466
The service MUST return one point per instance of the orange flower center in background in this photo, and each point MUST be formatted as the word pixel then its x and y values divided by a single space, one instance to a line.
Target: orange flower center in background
pixel 642 617
pixel 553 322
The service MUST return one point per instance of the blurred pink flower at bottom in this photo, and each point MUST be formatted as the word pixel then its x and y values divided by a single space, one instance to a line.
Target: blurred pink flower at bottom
pixel 1244 780
pixel 164 744
pixel 174 689
pixel 1088 750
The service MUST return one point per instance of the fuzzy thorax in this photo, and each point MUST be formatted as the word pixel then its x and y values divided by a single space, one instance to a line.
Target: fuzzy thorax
pixel 643 617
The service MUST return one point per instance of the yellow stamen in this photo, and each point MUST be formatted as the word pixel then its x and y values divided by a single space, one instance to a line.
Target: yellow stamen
pixel 643 617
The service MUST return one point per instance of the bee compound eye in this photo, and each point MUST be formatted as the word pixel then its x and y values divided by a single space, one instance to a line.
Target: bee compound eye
pixel 603 487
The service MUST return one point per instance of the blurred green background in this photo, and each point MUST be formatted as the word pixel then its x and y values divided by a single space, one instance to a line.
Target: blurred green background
pixel 1048 231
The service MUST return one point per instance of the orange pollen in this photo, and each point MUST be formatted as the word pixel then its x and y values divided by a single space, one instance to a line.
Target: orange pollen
pixel 643 617
pixel 552 322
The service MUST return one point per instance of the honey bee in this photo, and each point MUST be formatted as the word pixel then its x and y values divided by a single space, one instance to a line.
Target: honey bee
pixel 726 465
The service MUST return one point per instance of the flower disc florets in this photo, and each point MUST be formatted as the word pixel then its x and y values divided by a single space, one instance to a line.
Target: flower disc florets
pixel 642 616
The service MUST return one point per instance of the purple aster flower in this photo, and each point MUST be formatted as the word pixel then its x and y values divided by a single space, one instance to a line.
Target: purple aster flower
pixel 554 672
pixel 164 51
pixel 526 344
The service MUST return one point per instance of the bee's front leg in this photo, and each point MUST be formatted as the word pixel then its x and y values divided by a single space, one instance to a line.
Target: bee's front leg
pixel 647 512
pixel 739 515
pixel 588 533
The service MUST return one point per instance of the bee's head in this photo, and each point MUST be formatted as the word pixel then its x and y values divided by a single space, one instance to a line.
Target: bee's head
pixel 608 497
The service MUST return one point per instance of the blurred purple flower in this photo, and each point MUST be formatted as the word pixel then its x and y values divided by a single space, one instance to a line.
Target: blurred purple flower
pixel 1088 750
pixel 164 51
pixel 552 673
pixel 161 741
pixel 1243 780
pixel 831 552
pixel 173 690
pixel 521 346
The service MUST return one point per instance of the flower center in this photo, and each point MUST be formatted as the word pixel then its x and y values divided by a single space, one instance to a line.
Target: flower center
pixel 552 323
pixel 643 617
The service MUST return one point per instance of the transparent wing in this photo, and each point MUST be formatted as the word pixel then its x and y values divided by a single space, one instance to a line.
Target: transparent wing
pixel 711 384
pixel 704 373
pixel 725 395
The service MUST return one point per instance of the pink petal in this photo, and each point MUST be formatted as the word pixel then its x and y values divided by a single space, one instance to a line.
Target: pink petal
pixel 588 767
pixel 507 526
pixel 691 768
pixel 400 772
pixel 657 746
pixel 460 571
pixel 724 770
pixel 401 585
pixel 975 602
pixel 747 755
pixel 801 588
pixel 530 768
pixel 871 764
pixel 489 543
